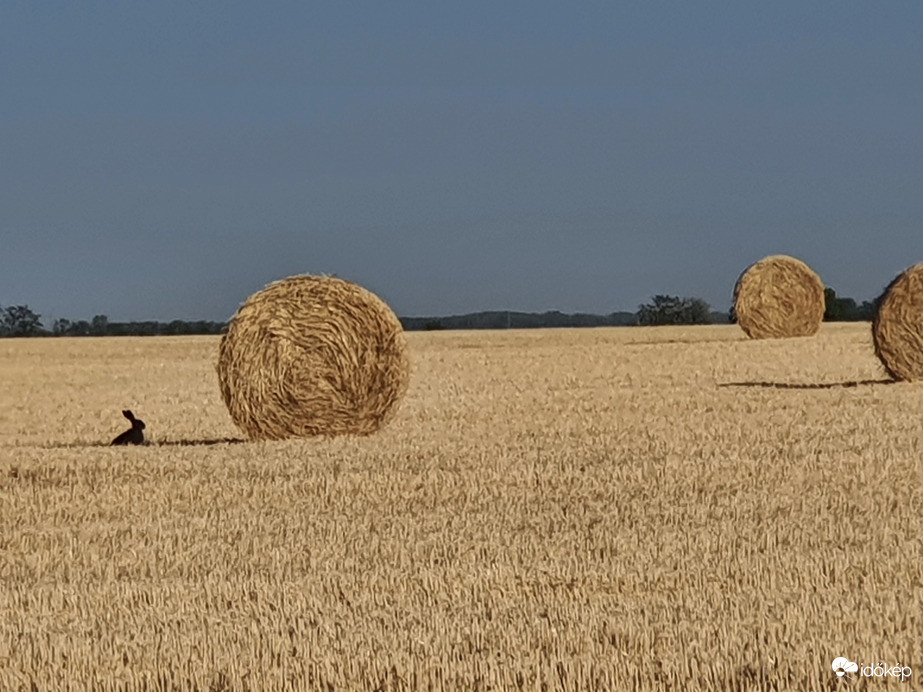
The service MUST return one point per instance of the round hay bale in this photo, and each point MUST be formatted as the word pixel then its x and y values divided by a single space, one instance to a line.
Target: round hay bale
pixel 779 297
pixel 313 356
pixel 897 329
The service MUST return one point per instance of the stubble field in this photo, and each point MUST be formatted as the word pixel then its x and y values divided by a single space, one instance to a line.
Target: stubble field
pixel 635 508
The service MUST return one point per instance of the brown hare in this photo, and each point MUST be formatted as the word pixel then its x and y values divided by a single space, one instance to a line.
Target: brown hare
pixel 133 436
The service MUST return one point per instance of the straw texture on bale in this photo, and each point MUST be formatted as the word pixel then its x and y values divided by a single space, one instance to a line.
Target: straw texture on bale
pixel 779 297
pixel 897 329
pixel 313 356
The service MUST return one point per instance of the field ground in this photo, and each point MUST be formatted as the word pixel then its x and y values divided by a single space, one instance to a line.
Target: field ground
pixel 634 508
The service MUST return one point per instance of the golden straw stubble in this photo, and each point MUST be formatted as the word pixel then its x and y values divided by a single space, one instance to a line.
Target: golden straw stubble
pixel 897 329
pixel 779 297
pixel 313 356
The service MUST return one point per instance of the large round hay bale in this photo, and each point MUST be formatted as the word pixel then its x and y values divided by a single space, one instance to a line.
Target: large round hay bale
pixel 313 356
pixel 779 297
pixel 897 329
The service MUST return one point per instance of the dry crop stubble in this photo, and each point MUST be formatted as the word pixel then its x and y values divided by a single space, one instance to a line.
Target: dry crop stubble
pixel 71 391
pixel 616 508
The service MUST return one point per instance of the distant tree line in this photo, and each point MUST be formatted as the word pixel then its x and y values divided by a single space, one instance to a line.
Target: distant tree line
pixel 20 320
pixel 509 319
pixel 847 310
pixel 662 310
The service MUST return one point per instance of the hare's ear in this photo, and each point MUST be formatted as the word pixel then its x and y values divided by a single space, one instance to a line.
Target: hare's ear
pixel 129 415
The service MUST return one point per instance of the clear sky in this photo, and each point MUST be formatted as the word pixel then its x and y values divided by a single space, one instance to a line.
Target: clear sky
pixel 164 160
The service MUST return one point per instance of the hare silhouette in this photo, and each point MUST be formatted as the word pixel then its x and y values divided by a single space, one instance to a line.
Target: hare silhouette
pixel 134 435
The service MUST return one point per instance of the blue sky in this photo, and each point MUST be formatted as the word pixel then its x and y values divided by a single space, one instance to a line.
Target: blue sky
pixel 165 160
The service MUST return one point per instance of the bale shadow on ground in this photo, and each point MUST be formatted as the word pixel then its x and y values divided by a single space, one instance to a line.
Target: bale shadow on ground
pixel 791 385
pixel 157 443
pixel 199 443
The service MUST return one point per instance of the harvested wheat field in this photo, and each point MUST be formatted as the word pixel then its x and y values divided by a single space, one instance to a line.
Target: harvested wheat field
pixel 635 508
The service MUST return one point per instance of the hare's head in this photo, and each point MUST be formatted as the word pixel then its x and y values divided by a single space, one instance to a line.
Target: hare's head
pixel 135 423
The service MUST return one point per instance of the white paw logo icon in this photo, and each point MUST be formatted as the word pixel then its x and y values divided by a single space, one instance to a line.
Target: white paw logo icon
pixel 841 666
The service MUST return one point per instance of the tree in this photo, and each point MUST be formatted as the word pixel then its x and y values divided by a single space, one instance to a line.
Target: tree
pixel 838 309
pixel 674 310
pixel 177 327
pixel 80 328
pixel 868 310
pixel 831 309
pixel 99 326
pixel 19 320
pixel 61 327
